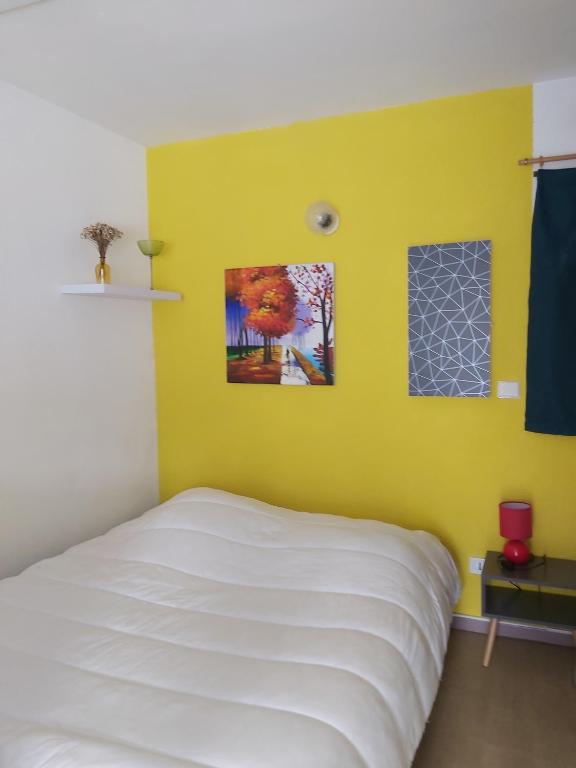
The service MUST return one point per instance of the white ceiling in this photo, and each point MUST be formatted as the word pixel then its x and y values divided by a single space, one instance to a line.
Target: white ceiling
pixel 163 70
pixel 10 5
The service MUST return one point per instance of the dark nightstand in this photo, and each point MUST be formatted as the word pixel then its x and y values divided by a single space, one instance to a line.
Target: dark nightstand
pixel 529 602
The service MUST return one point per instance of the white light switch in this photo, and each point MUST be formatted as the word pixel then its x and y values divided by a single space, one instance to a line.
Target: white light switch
pixel 508 389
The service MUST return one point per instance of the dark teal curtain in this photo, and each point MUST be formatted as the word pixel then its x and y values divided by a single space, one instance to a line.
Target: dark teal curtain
pixel 551 367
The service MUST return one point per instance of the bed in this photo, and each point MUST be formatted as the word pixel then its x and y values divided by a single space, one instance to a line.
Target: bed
pixel 216 631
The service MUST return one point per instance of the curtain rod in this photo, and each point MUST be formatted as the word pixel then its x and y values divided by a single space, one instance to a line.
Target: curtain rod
pixel 548 159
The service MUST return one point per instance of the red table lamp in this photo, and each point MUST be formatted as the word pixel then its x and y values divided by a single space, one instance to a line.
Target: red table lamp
pixel 516 526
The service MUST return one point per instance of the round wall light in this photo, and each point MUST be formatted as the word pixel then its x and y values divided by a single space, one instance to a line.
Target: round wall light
pixel 322 218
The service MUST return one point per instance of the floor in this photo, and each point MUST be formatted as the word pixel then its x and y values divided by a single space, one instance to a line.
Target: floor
pixel 521 711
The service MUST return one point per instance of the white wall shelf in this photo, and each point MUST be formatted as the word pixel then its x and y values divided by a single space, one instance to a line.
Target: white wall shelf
pixel 120 292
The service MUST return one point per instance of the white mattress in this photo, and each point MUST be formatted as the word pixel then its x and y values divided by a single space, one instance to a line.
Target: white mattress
pixel 220 632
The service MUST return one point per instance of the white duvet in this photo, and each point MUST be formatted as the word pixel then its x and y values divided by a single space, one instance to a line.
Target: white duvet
pixel 220 632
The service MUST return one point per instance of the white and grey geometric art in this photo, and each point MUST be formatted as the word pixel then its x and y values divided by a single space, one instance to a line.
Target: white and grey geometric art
pixel 449 321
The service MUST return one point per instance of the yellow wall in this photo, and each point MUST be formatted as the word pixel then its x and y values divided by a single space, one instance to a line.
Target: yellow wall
pixel 438 171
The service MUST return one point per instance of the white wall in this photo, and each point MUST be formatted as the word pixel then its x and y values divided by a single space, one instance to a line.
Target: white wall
pixel 555 119
pixel 77 403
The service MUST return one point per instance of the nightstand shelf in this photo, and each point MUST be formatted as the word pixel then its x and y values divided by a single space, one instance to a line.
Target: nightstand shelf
pixel 530 601
pixel 541 608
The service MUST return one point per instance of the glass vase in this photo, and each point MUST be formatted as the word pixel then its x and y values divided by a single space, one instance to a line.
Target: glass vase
pixel 102 271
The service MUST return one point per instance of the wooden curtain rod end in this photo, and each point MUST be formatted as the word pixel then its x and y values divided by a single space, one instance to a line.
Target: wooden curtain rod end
pixel 542 159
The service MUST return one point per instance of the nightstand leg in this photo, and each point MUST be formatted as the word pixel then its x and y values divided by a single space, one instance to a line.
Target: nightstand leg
pixel 490 641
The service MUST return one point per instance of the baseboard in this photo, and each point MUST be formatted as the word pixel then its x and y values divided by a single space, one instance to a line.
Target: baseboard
pixel 508 629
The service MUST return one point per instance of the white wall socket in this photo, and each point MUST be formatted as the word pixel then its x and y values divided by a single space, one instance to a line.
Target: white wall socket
pixel 475 565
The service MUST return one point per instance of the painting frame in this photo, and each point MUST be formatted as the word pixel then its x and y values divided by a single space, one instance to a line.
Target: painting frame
pixel 280 324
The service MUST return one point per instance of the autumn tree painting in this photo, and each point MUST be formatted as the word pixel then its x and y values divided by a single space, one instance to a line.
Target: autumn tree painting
pixel 270 298
pixel 279 324
pixel 317 283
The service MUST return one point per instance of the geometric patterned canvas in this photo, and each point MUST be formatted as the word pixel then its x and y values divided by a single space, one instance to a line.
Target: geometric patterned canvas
pixel 449 322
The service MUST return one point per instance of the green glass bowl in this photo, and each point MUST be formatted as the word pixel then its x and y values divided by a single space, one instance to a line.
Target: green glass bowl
pixel 151 247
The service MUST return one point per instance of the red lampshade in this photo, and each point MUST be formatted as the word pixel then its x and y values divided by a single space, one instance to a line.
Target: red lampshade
pixel 515 520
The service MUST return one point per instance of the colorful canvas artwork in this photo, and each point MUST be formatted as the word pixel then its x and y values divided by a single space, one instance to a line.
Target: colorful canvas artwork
pixel 449 321
pixel 280 324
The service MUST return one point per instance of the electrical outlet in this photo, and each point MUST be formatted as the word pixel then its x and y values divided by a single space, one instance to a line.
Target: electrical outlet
pixel 476 564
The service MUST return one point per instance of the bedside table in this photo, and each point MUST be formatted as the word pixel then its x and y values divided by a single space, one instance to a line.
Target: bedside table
pixel 529 602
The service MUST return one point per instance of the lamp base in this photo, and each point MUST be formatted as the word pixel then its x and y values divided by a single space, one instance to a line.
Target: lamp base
pixel 536 561
pixel 516 552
